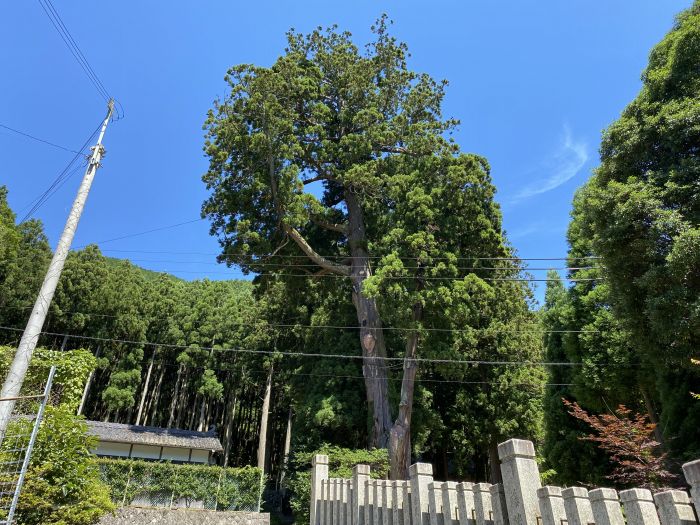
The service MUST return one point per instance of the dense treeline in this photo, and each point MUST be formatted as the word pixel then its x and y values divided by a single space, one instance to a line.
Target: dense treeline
pixel 191 375
pixel 639 218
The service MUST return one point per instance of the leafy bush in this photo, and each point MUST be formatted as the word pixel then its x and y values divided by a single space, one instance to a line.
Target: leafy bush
pixel 219 487
pixel 62 485
pixel 340 464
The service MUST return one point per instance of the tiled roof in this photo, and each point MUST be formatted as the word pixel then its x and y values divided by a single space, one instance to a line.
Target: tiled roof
pixel 157 436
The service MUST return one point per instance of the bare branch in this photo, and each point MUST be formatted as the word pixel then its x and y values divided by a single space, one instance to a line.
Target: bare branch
pixel 315 179
pixel 315 257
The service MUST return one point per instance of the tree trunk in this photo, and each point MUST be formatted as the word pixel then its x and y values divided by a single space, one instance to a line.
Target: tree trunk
pixel 262 439
pixel 155 398
pixel 228 434
pixel 145 388
pixel 370 323
pixel 88 383
pixel 173 402
pixel 494 463
pixel 287 446
pixel 400 441
pixel 653 417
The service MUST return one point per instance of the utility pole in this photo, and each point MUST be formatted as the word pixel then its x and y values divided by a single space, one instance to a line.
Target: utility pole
pixel 15 376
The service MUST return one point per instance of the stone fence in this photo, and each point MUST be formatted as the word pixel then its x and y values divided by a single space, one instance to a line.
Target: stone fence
pixel 139 516
pixel 519 500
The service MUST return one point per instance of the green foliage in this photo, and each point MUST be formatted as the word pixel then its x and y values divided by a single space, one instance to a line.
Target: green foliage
pixel 223 488
pixel 640 211
pixel 340 464
pixel 62 485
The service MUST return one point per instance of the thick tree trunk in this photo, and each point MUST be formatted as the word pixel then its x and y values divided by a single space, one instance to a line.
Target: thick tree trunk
pixel 145 388
pixel 370 323
pixel 400 441
pixel 264 416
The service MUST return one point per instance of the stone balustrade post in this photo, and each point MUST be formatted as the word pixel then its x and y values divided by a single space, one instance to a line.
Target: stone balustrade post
pixel 482 503
pixel 360 476
pixel 465 503
pixel 577 506
pixel 551 505
pixel 421 475
pixel 521 479
pixel 319 472
pixel 692 476
pixel 449 503
pixel 388 507
pixel 498 502
pixel 639 507
pixel 675 508
pixel 370 502
pixel 435 503
pixel 606 507
pixel 378 513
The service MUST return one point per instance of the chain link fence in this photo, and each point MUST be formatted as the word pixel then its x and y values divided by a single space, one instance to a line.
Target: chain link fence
pixel 166 485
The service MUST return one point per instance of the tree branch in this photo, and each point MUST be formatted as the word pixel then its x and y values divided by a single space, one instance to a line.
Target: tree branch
pixel 315 257
pixel 315 179
pixel 340 228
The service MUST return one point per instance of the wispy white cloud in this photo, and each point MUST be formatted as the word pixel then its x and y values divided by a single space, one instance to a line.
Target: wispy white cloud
pixel 563 165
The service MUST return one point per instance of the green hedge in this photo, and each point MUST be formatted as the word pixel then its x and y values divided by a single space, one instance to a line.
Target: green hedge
pixel 217 487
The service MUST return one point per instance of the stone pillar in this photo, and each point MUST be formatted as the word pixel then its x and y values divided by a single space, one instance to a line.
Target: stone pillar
pixel 360 476
pixel 369 501
pixel 335 491
pixel 639 507
pixel 319 473
pixel 521 479
pixel 692 476
pixel 465 503
pixel 449 502
pixel 498 502
pixel 482 503
pixel 435 503
pixel 421 475
pixel 606 507
pixel 388 499
pixel 551 505
pixel 577 506
pixel 397 498
pixel 674 508
pixel 377 515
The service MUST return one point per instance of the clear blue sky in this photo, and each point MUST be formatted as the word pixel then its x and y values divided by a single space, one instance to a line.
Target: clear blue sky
pixel 533 83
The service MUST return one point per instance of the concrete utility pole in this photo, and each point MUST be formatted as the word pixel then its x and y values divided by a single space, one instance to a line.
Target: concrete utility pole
pixel 15 376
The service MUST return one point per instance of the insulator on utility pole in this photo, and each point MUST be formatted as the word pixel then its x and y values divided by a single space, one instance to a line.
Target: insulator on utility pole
pixel 18 369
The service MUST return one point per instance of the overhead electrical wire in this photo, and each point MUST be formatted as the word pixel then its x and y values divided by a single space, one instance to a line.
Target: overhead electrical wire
pixel 58 182
pixel 38 139
pixel 473 362
pixel 73 47
pixel 263 325
pixel 62 30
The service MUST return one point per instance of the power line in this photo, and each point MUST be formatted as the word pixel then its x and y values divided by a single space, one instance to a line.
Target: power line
pixel 338 376
pixel 169 227
pixel 38 139
pixel 474 362
pixel 73 47
pixel 58 182
pixel 263 325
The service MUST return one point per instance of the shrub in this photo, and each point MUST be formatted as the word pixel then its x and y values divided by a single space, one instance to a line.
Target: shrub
pixel 340 464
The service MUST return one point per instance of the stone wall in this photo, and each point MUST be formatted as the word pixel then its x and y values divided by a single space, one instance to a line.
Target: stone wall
pixel 143 516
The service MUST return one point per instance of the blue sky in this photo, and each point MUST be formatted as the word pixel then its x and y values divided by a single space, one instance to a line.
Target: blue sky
pixel 533 82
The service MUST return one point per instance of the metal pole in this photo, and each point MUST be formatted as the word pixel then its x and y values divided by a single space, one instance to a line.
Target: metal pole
pixel 30 337
pixel 30 446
